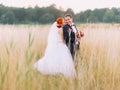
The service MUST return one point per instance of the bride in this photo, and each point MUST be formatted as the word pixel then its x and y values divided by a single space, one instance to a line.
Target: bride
pixel 57 58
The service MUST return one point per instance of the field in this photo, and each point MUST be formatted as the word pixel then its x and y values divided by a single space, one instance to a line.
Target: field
pixel 98 65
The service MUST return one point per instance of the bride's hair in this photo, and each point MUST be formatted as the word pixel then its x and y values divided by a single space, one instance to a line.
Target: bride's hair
pixel 60 22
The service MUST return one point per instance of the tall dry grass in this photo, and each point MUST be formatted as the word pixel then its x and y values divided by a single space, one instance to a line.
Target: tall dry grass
pixel 98 66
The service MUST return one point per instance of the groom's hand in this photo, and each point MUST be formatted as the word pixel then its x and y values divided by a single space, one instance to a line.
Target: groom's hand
pixel 69 30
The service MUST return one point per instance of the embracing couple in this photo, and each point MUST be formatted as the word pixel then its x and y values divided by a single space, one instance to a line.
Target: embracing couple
pixel 59 54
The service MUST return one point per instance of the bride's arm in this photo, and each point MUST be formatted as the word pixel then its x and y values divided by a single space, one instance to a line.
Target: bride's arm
pixel 62 37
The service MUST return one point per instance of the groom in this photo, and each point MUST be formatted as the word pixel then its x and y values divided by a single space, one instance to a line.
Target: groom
pixel 70 34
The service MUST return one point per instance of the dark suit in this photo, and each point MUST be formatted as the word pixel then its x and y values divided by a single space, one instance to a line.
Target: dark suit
pixel 69 39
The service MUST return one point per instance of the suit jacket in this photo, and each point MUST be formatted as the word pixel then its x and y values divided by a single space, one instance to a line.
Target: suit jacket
pixel 66 34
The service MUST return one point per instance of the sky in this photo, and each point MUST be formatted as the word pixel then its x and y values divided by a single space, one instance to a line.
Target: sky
pixel 76 5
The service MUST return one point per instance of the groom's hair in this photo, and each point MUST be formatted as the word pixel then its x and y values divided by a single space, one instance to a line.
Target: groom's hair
pixel 68 15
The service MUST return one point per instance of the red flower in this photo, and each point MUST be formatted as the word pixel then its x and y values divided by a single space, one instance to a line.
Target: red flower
pixel 81 33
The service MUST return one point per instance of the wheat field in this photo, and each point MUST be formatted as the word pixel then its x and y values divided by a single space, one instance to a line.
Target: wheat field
pixel 98 59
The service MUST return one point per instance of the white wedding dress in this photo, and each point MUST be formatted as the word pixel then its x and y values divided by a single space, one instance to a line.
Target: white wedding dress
pixel 57 58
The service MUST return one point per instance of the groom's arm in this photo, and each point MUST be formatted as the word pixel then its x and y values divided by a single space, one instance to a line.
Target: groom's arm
pixel 72 37
pixel 66 34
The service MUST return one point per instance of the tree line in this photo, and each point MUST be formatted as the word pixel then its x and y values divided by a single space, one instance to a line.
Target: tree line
pixel 46 15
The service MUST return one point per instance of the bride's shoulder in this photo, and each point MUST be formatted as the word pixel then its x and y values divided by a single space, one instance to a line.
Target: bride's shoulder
pixel 60 30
